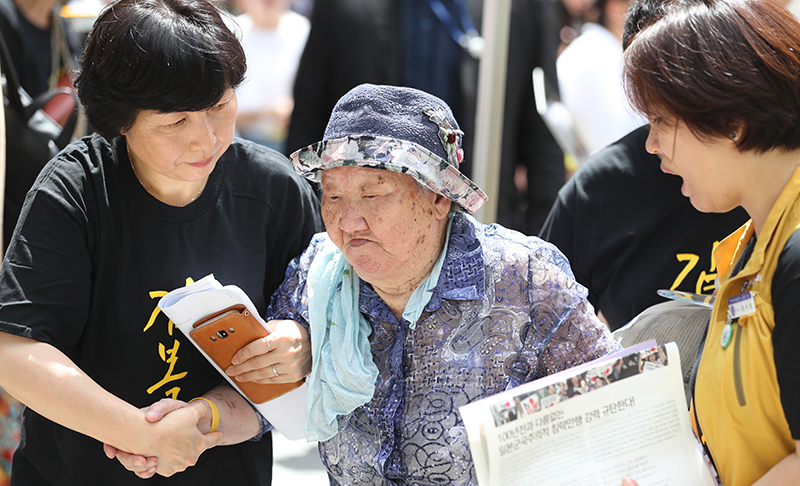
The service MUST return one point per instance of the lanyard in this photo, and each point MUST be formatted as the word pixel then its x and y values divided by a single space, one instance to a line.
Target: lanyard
pixel 468 37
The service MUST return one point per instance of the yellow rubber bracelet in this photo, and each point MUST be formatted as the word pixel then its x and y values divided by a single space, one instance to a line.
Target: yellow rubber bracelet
pixel 214 412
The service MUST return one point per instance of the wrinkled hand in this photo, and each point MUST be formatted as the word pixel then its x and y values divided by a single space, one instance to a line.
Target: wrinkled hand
pixel 190 434
pixel 286 351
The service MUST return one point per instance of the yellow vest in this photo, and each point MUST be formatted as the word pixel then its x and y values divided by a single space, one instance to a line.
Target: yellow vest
pixel 737 398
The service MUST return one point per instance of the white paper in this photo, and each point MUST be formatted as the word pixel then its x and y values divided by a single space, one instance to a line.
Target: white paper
pixel 186 305
pixel 635 427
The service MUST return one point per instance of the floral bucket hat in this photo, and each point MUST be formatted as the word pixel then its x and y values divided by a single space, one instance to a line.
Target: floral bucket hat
pixel 399 129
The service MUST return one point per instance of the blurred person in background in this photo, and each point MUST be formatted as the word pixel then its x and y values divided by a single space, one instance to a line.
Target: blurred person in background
pixel 43 47
pixel 273 37
pixel 43 50
pixel 571 15
pixel 590 79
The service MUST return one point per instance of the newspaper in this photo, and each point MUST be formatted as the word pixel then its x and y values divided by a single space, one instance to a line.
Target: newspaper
pixel 186 305
pixel 622 415
pixel 680 321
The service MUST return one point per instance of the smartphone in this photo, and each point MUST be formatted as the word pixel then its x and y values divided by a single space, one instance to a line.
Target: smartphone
pixel 222 334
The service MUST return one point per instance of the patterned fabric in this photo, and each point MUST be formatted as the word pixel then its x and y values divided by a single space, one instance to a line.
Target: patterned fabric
pixel 10 419
pixel 394 128
pixel 342 373
pixel 506 311
pixel 391 154
pixel 448 135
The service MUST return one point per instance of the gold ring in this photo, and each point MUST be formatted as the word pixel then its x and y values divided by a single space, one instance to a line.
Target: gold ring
pixel 274 370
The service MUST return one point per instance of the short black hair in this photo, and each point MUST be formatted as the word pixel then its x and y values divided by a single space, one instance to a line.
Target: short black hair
pixel 641 13
pixel 720 66
pixel 162 55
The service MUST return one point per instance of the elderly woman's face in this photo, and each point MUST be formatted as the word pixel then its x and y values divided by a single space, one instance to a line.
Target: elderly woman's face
pixel 382 221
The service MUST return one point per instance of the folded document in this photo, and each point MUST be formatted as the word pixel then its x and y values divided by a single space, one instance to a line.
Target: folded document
pixel 198 303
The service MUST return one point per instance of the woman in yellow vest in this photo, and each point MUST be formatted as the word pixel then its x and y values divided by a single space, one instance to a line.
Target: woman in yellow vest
pixel 719 81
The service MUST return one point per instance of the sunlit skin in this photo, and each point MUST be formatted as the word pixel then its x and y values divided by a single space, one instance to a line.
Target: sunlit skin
pixel 174 153
pixel 388 229
pixel 704 165
pixel 717 177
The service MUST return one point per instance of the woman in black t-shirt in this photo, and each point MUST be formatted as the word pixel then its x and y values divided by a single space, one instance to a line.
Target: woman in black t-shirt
pixel 161 195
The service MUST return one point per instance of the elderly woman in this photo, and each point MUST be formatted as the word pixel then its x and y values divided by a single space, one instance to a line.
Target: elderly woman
pixel 161 195
pixel 415 308
pixel 718 80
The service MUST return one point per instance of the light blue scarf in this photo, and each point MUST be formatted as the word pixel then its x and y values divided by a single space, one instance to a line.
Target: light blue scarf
pixel 343 374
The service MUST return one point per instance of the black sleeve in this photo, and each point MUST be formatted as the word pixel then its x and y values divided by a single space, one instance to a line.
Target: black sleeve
pixel 786 335
pixel 48 262
pixel 9 29
pixel 560 229
pixel 559 226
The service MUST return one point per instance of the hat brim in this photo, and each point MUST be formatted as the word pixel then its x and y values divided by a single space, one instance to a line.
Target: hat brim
pixel 390 154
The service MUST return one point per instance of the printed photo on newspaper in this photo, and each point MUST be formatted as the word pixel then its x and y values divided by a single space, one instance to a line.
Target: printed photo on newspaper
pixel 623 415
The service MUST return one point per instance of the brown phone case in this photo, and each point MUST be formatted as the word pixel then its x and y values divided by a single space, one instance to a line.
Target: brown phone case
pixel 222 334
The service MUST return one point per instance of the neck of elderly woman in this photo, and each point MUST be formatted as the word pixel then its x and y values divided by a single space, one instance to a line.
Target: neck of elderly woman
pixel 397 292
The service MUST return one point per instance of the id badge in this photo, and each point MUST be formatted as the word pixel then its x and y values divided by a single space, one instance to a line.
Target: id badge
pixel 741 305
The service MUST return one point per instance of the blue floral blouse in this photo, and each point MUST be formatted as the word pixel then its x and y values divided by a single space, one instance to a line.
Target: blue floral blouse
pixel 506 311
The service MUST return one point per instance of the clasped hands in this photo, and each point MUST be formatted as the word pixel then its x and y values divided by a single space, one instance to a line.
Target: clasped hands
pixel 176 433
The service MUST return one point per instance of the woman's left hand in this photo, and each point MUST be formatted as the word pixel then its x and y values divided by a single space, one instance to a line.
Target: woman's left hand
pixel 282 357
pixel 144 467
pixel 147 466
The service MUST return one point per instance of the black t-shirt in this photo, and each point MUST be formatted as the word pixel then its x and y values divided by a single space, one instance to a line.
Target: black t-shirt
pixel 786 334
pixel 91 256
pixel 628 231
